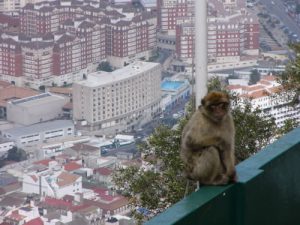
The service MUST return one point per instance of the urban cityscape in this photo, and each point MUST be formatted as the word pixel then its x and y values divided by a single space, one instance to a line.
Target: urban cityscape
pixel 84 85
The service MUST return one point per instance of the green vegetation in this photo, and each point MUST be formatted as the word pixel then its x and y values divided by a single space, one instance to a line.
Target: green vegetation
pixel 13 154
pixel 163 185
pixel 16 154
pixel 104 66
pixel 254 77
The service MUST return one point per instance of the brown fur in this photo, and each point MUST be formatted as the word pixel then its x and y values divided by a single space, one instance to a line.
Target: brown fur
pixel 207 146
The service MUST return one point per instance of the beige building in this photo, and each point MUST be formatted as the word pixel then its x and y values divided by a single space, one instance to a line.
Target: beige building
pixel 118 101
pixel 35 109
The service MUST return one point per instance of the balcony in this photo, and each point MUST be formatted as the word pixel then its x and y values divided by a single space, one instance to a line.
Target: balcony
pixel 267 192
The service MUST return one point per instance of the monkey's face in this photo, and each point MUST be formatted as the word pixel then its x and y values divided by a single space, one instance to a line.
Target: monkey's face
pixel 216 105
pixel 218 110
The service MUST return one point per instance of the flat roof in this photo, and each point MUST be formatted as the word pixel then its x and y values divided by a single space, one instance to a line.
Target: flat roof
pixel 102 78
pixel 4 140
pixel 39 127
pixel 36 100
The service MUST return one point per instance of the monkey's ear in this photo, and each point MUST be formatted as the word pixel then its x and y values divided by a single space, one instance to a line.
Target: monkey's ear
pixel 227 95
pixel 203 101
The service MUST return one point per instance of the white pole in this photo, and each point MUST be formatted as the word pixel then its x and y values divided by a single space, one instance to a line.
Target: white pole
pixel 200 50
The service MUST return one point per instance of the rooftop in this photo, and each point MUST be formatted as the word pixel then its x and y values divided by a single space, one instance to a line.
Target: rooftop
pixel 39 127
pixel 37 100
pixel 103 78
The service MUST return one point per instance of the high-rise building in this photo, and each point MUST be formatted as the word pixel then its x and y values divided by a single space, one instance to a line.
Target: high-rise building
pixel 120 100
pixel 64 41
pixel 130 40
pixel 11 58
pixel 169 11
pixel 232 31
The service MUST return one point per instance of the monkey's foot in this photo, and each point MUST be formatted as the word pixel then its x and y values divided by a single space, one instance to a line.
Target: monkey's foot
pixel 222 179
pixel 233 177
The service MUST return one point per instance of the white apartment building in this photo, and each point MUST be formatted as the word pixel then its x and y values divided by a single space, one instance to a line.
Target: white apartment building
pixel 54 184
pixel 39 133
pixel 13 6
pixel 9 5
pixel 265 95
pixel 118 101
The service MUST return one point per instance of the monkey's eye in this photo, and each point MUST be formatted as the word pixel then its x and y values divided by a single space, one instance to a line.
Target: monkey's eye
pixel 219 105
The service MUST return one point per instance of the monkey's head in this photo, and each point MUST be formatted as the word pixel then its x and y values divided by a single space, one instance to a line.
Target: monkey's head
pixel 215 105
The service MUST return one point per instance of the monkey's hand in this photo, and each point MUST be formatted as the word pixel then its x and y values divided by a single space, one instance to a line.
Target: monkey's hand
pixel 204 143
pixel 216 142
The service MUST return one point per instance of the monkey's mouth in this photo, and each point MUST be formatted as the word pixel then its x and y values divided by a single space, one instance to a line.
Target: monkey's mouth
pixel 219 115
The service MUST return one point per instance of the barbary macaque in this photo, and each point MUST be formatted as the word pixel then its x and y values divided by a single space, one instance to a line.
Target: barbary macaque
pixel 207 144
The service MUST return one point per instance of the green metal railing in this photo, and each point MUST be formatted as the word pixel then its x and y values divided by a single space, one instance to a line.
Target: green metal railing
pixel 267 192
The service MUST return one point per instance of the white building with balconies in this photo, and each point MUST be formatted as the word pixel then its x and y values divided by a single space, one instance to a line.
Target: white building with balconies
pixel 39 133
pixel 54 184
pixel 120 100
pixel 265 95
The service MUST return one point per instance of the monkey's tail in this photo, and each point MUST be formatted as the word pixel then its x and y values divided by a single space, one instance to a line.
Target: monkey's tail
pixel 187 187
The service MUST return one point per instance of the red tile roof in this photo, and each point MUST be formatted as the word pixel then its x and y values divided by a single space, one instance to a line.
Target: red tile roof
pixel 269 78
pixel 103 171
pixel 60 203
pixel 65 179
pixel 4 84
pixel 36 221
pixel 16 216
pixel 44 162
pixel 72 166
pixel 61 90
pixel 12 92
pixel 105 195
pixel 34 178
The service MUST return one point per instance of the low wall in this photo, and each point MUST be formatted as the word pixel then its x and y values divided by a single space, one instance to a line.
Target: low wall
pixel 267 192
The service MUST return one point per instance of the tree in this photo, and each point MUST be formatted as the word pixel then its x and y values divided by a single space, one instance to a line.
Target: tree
pixel 290 78
pixel 254 77
pixel 288 126
pixel 253 130
pixel 104 66
pixel 298 8
pixel 42 88
pixel 16 154
pixel 164 184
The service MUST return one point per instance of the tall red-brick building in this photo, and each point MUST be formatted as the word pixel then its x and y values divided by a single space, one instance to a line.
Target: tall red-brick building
pixel 232 31
pixel 61 41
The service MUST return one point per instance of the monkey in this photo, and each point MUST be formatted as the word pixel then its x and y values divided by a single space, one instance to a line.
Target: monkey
pixel 207 142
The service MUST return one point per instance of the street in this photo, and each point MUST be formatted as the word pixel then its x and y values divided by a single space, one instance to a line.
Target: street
pixel 277 8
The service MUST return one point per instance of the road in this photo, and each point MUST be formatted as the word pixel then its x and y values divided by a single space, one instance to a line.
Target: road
pixel 126 148
pixel 277 8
